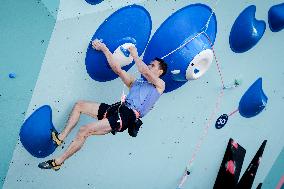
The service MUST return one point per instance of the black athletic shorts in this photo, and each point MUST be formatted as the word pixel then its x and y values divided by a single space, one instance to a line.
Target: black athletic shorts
pixel 127 116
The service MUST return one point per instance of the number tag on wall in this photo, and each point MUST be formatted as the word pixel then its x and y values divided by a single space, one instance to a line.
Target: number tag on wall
pixel 221 121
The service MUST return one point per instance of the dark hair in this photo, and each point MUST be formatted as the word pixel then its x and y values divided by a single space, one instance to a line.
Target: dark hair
pixel 163 66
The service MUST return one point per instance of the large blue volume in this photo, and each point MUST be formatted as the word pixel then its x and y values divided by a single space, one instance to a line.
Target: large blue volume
pixel 35 133
pixel 130 24
pixel 246 30
pixel 175 31
pixel 253 101
pixel 276 17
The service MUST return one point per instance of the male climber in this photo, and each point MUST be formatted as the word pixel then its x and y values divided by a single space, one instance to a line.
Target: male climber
pixel 116 117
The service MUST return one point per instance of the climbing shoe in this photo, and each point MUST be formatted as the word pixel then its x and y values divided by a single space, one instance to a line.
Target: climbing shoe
pixel 50 164
pixel 56 140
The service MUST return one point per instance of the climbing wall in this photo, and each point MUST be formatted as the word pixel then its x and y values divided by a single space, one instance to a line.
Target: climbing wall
pixel 157 158
pixel 25 30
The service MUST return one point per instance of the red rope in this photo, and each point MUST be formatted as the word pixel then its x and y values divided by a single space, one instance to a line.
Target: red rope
pixel 213 114
pixel 233 112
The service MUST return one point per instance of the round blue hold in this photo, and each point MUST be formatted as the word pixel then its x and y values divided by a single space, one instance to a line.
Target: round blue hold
pixel 94 2
pixel 175 31
pixel 130 24
pixel 12 75
pixel 276 17
pixel 35 133
pixel 253 101
pixel 246 31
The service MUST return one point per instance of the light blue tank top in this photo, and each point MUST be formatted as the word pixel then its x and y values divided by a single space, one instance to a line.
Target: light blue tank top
pixel 142 96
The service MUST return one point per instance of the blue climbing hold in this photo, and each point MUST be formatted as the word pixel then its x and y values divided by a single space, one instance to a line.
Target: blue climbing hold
pixel 125 51
pixel 276 17
pixel 196 71
pixel 130 25
pixel 35 133
pixel 246 31
pixel 253 101
pixel 194 57
pixel 12 75
pixel 94 2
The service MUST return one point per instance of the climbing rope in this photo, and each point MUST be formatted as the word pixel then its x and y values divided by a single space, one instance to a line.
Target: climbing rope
pixel 207 125
pixel 217 104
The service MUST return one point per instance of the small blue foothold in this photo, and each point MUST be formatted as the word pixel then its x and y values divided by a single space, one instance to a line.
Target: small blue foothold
pixel 276 17
pixel 246 30
pixel 12 75
pixel 94 2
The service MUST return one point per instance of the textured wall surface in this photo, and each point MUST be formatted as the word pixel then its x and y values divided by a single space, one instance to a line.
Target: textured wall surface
pixel 157 158
pixel 25 30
